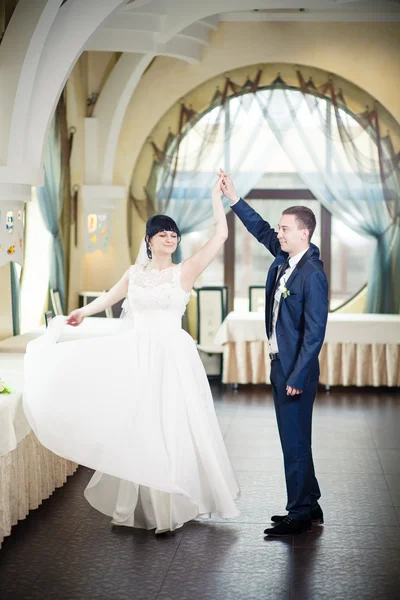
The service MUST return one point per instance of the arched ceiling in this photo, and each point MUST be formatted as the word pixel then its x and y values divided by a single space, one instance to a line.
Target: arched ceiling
pixel 180 28
pixel 37 63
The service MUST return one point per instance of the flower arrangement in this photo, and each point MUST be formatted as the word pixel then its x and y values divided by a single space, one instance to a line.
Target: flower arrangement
pixel 4 389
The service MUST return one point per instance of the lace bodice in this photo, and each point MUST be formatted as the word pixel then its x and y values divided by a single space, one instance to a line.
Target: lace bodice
pixel 153 290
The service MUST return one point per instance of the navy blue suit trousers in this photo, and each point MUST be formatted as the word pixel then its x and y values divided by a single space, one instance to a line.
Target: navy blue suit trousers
pixel 294 417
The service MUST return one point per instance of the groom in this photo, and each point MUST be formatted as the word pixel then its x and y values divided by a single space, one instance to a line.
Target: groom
pixel 295 315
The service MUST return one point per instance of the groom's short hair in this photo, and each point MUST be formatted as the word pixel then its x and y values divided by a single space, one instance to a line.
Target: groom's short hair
pixel 304 216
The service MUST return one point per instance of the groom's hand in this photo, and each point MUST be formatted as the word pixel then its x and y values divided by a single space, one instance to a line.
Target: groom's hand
pixel 291 391
pixel 228 189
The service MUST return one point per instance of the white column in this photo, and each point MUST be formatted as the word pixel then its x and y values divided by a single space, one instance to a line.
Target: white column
pixel 12 201
pixel 20 53
pixel 101 261
pixel 92 176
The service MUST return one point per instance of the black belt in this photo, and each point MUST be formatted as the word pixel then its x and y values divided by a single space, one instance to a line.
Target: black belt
pixel 274 355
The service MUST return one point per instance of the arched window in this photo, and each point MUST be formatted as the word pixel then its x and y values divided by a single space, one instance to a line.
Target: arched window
pixel 286 145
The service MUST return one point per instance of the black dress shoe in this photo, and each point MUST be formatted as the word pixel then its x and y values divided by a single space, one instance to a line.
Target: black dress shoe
pixel 317 517
pixel 290 527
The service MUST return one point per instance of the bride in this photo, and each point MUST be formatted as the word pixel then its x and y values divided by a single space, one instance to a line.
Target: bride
pixel 137 406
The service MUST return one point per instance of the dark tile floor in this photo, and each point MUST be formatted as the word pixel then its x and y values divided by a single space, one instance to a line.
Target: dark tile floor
pixel 67 551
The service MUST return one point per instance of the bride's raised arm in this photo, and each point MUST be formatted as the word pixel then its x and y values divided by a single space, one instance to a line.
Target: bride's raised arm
pixel 198 262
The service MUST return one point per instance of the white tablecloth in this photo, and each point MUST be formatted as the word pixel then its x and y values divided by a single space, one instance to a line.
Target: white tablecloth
pixel 341 328
pixel 13 424
pixel 358 350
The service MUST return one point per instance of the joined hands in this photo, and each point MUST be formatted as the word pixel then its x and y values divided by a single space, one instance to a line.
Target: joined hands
pixel 226 186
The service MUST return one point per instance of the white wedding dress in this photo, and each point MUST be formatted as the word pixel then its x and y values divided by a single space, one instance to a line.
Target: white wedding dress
pixel 137 407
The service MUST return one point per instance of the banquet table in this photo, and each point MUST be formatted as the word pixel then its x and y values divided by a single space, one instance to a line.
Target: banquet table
pixel 359 349
pixel 29 473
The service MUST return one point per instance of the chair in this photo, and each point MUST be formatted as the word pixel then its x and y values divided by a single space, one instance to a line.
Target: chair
pixel 116 309
pixel 48 316
pixel 55 300
pixel 212 308
pixel 256 298
pixel 191 316
pixel 111 312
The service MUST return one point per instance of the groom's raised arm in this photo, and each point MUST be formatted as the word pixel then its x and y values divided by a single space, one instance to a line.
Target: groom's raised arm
pixel 254 223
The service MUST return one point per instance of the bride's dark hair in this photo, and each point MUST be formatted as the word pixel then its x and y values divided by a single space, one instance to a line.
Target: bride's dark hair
pixel 159 223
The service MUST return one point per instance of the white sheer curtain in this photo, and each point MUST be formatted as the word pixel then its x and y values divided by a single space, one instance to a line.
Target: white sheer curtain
pixel 235 137
pixel 339 156
pixel 341 163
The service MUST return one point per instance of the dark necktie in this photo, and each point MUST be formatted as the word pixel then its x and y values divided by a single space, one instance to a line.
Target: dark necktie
pixel 280 272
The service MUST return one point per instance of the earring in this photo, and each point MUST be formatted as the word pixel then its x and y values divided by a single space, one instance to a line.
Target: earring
pixel 148 250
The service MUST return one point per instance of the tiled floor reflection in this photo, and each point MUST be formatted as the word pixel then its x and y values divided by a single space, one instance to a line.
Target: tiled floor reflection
pixel 67 551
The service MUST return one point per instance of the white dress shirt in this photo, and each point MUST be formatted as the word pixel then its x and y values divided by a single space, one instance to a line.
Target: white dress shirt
pixel 293 261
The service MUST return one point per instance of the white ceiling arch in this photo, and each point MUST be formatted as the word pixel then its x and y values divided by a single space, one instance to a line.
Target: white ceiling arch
pixel 74 24
pixel 142 31
pixel 38 51
pixel 19 60
pixel 57 33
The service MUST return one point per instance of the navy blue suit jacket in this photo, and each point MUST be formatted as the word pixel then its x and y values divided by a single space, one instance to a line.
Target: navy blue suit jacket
pixel 302 317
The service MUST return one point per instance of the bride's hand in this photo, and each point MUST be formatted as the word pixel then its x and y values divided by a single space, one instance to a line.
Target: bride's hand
pixel 75 317
pixel 228 189
pixel 216 189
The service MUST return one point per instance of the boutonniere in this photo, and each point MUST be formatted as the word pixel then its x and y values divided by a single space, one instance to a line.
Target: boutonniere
pixel 4 389
pixel 283 290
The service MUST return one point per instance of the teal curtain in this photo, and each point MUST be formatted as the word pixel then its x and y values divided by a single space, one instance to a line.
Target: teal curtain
pixel 50 198
pixel 15 298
